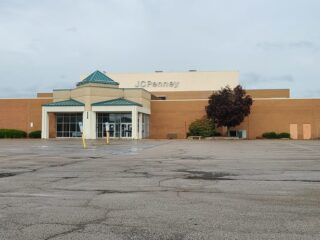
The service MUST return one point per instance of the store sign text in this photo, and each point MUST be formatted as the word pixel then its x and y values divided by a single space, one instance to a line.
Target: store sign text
pixel 154 84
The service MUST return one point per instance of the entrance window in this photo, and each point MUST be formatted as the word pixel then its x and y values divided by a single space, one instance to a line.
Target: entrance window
pixel 120 124
pixel 68 124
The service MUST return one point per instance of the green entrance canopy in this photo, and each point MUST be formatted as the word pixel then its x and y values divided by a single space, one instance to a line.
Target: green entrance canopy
pixel 117 102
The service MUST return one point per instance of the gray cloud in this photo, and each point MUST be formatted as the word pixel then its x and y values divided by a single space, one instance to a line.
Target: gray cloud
pixel 48 44
pixel 10 92
pixel 72 29
pixel 312 93
pixel 288 45
pixel 251 79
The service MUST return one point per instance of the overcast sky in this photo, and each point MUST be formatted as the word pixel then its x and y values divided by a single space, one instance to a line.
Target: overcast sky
pixel 46 44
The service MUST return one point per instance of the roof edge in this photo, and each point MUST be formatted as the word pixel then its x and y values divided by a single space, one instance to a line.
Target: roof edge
pixel 74 104
pixel 130 103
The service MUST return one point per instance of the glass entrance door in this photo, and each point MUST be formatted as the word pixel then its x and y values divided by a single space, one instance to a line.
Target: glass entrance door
pixel 120 124
pixel 126 130
pixel 129 130
pixel 117 130
pixel 112 129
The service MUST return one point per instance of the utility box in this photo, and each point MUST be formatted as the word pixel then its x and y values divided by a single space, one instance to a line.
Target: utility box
pixel 238 133
pixel 242 134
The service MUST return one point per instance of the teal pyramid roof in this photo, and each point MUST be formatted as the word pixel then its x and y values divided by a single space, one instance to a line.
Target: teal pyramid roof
pixel 117 102
pixel 97 77
pixel 66 103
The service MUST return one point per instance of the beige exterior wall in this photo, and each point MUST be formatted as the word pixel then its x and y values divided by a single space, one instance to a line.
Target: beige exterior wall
pixel 92 94
pixel 175 81
pixel 60 95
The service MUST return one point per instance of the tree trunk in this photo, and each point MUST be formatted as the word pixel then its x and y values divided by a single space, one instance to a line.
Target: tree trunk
pixel 225 131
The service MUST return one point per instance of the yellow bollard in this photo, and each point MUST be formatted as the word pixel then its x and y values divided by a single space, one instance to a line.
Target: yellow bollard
pixel 84 141
pixel 107 132
pixel 107 137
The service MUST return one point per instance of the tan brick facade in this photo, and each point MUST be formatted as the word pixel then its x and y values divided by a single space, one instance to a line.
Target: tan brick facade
pixel 175 116
pixel 254 93
pixel 277 115
pixel 272 110
pixel 21 113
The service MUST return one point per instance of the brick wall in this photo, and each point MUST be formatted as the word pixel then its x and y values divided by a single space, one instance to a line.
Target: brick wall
pixel 20 113
pixel 266 115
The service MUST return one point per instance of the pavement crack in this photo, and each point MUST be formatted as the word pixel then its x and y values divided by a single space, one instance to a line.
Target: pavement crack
pixel 202 175
pixel 79 226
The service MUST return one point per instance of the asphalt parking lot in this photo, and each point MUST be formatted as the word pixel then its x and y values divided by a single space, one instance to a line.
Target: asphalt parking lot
pixel 152 189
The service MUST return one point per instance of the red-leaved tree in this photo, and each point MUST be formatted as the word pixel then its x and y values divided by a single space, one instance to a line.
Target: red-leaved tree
pixel 228 107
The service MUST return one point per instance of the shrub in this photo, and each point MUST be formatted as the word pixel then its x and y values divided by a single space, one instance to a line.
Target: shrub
pixel 35 134
pixel 12 133
pixel 270 135
pixel 273 135
pixel 203 127
pixel 284 135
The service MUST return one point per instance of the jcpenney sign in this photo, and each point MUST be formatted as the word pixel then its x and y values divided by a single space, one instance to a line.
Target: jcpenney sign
pixel 154 84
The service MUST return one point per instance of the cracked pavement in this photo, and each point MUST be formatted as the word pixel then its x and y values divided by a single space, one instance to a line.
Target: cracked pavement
pixel 165 189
